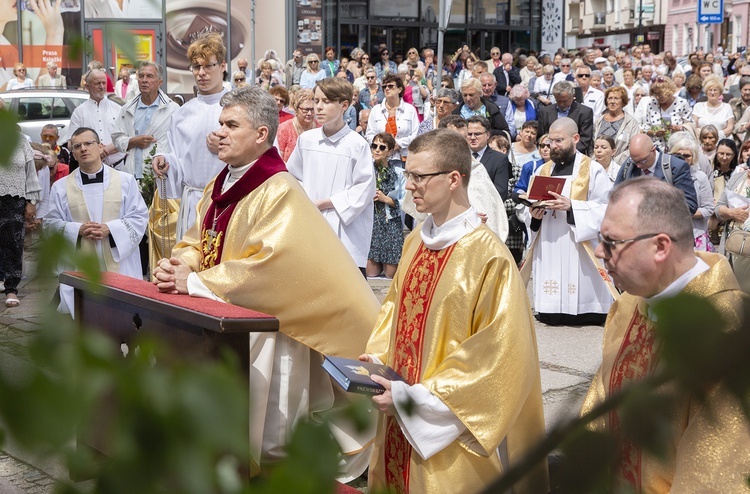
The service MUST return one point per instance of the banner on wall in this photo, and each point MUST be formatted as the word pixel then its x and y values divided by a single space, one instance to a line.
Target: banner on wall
pixel 309 34
pixel 553 24
pixel 143 47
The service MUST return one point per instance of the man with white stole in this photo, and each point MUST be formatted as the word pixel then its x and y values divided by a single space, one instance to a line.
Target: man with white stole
pixel 260 243
pixel 570 284
pixel 646 242
pixel 457 326
pixel 192 160
pixel 98 209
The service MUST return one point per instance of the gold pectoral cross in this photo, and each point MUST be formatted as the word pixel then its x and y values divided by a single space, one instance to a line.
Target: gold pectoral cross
pixel 211 242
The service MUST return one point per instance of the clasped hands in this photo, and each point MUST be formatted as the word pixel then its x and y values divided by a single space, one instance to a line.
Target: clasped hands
pixel 170 275
pixel 93 230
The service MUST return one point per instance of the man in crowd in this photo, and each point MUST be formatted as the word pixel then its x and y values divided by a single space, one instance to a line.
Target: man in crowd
pixel 293 68
pixel 646 243
pixel 50 136
pixel 98 210
pixel 52 78
pixel 592 97
pixel 98 113
pixel 254 228
pixel 506 75
pixel 646 159
pixel 433 431
pixel 739 105
pixel 570 287
pixel 489 86
pixel 565 106
pixel 477 105
pixel 497 164
pixel 627 63
pixel 565 73
pixel 193 145
pixel 494 61
pixel 479 69
pixel 125 87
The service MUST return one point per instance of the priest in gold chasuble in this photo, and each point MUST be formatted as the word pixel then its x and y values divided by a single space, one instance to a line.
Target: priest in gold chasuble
pixel 647 247
pixel 260 243
pixel 457 326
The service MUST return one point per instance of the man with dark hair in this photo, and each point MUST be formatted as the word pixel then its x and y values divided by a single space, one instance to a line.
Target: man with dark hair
pixel 566 106
pixel 448 303
pixel 646 243
pixel 97 209
pixel 255 226
pixel 497 164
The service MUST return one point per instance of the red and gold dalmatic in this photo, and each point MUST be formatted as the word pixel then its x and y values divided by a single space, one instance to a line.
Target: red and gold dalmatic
pixel 458 322
pixel 704 456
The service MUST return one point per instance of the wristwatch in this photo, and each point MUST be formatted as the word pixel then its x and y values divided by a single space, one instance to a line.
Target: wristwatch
pixel 31 201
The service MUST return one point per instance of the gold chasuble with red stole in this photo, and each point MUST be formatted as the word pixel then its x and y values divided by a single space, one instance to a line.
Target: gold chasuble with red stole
pixel 706 453
pixel 457 321
pixel 275 253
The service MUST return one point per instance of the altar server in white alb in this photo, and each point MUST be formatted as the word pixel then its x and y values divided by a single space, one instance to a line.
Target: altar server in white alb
pixel 192 160
pixel 334 165
pixel 571 286
pixel 97 209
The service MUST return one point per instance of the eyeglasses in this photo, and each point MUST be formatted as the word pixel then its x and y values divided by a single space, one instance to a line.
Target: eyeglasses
pixel 565 65
pixel 545 145
pixel 441 102
pixel 581 76
pixel 416 178
pixel 239 79
pixel 610 245
pixel 412 53
pixel 444 84
pixel 365 58
pixel 313 61
pixel 306 110
pixel 495 53
pixel 371 77
pixel 85 144
pixel 197 68
pixel 378 147
pixel 389 86
pixel 644 160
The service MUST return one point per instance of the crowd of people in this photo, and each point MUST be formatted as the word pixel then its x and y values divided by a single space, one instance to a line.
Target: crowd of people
pixel 311 173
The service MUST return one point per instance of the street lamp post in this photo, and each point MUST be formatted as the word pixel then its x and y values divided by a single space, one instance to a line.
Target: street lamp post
pixel 640 20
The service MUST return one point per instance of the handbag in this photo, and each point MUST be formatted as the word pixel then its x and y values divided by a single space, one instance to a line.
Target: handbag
pixel 738 243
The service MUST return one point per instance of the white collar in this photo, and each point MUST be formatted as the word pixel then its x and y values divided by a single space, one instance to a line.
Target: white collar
pixel 211 99
pixel 235 173
pixel 677 285
pixel 443 236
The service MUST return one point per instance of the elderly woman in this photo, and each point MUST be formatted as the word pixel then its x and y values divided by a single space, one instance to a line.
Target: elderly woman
pixel 303 119
pixel 628 82
pixel 666 113
pixel 372 94
pixel 267 79
pixel 528 72
pixel 735 216
pixel 687 149
pixel 313 73
pixel 709 138
pixel 615 123
pixel 543 86
pixel 239 79
pixel 19 193
pixel 21 81
pixel 394 116
pixel 678 77
pixel 521 108
pixel 714 111
pixel 608 78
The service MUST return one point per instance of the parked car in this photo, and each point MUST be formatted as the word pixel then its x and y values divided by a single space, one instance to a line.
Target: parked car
pixel 36 108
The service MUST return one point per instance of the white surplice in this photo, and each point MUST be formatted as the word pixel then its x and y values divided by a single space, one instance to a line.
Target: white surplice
pixel 191 164
pixel 566 281
pixel 339 167
pixel 126 231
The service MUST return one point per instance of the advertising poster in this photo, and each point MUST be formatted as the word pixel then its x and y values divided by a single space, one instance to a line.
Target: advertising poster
pixel 143 47
pixel 122 9
pixel 309 27
pixel 49 28
pixel 188 19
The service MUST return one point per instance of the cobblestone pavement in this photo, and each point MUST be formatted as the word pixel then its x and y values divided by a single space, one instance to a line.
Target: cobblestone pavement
pixel 568 356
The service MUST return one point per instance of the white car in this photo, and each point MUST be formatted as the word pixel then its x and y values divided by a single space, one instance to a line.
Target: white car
pixel 36 108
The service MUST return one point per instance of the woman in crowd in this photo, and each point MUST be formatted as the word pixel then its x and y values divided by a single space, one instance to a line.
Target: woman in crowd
pixel 312 73
pixel 21 81
pixel 239 78
pixel 444 102
pixel 709 138
pixel 736 217
pixel 628 82
pixel 419 93
pixel 385 65
pixel 372 94
pixel 538 72
pixel 413 56
pixel 468 68
pixel 725 165
pixel 521 108
pixel 666 113
pixel 718 69
pixel 678 77
pixel 528 169
pixel 387 231
pixel 687 149
pixel 303 119
pixel 267 79
pixel 744 153
pixel 524 150
pixel 604 152
pixel 543 86
pixel 19 193
pixel 499 143
pixel 282 98
pixel 330 65
pixel 608 78
pixel 394 116
pixel 693 90
pixel 714 111
pixel 596 79
pixel 528 72
pixel 615 123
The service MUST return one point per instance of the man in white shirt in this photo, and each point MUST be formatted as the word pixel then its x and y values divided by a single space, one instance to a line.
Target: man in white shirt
pixel 98 113
pixel 592 97
pixel 565 73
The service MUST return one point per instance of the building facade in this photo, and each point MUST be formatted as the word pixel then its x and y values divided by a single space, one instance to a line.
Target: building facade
pixel 685 35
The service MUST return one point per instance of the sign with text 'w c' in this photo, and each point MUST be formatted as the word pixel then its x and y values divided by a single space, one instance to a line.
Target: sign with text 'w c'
pixel 710 11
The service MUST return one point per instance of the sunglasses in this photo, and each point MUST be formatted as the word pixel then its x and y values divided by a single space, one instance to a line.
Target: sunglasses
pixel 240 79
pixel 544 146
pixel 371 77
pixel 378 147
pixel 581 76
pixel 389 86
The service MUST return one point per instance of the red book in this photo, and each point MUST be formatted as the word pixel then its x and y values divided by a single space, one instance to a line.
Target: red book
pixel 541 186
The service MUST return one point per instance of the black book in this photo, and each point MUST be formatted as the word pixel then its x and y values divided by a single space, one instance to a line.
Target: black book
pixel 354 376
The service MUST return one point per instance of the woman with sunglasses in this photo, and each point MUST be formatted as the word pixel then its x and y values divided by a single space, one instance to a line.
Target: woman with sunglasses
pixel 303 120
pixel 387 230
pixel 444 102
pixel 385 65
pixel 686 149
pixel 21 81
pixel 412 56
pixel 372 94
pixel 312 73
pixel 239 79
pixel 394 116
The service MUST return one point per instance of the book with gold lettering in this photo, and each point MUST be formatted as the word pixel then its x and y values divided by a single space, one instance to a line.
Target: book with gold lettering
pixel 354 376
